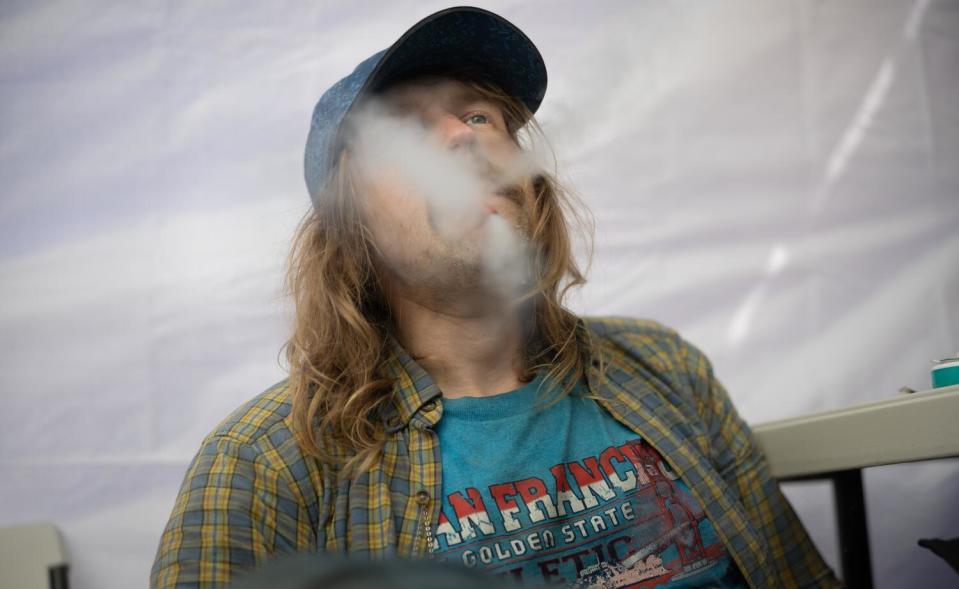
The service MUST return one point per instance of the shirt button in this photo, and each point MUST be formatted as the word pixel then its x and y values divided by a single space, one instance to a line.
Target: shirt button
pixel 429 405
pixel 422 497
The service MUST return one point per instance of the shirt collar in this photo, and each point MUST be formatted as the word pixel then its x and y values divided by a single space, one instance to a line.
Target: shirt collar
pixel 413 388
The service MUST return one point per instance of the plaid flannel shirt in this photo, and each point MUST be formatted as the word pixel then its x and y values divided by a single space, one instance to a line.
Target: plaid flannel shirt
pixel 250 494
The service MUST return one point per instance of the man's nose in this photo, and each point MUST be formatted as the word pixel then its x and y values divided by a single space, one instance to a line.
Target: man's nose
pixel 453 133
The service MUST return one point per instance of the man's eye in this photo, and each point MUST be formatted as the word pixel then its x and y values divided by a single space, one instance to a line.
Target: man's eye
pixel 477 119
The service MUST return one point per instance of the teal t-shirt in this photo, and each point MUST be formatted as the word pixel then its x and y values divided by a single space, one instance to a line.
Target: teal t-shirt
pixel 567 495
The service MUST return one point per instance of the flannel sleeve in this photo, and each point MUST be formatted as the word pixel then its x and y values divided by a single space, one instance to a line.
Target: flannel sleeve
pixel 794 558
pixel 229 516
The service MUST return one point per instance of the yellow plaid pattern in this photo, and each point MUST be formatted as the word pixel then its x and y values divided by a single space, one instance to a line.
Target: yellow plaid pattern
pixel 250 494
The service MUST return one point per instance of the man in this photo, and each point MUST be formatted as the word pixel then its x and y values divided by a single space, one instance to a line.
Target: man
pixel 442 403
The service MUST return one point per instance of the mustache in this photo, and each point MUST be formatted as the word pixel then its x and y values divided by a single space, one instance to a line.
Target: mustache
pixel 497 178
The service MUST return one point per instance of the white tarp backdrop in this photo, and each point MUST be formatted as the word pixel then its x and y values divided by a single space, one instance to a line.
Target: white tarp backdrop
pixel 777 180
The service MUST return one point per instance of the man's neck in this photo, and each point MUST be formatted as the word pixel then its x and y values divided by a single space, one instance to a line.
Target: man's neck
pixel 468 354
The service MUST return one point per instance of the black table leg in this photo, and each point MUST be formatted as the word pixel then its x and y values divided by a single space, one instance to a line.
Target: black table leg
pixel 853 532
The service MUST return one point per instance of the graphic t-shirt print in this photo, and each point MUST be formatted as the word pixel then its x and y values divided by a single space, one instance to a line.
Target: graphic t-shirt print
pixel 622 518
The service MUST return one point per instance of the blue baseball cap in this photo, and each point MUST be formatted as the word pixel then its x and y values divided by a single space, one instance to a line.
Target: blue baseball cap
pixel 455 40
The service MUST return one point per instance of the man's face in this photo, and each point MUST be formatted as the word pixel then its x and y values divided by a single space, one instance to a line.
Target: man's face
pixel 432 208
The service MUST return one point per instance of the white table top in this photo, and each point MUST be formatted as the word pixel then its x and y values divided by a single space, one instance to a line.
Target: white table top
pixel 904 428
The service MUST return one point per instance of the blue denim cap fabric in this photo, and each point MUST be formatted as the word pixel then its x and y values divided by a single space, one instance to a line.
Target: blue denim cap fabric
pixel 461 39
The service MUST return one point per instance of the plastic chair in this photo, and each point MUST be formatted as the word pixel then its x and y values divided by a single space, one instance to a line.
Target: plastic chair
pixel 32 557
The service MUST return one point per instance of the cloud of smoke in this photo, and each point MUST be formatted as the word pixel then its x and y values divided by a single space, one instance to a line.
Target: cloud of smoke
pixel 456 185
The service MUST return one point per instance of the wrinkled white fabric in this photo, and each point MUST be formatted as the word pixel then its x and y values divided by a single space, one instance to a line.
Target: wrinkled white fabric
pixel 776 180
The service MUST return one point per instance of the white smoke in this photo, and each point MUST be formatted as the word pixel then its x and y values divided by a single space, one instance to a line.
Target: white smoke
pixel 506 258
pixel 455 185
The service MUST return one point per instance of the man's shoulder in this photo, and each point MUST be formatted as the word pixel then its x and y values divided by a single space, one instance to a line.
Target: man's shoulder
pixel 631 331
pixel 262 418
pixel 629 344
pixel 255 446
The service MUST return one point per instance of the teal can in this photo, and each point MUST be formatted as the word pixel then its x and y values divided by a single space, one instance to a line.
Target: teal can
pixel 945 373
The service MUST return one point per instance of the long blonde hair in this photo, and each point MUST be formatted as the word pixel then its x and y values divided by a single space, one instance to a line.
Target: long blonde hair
pixel 341 330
